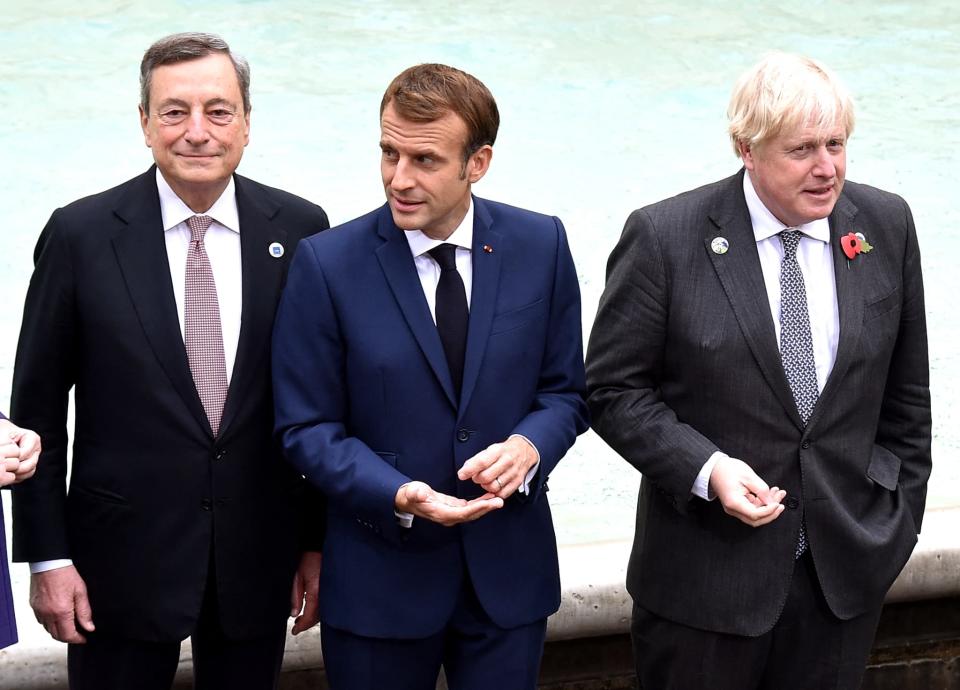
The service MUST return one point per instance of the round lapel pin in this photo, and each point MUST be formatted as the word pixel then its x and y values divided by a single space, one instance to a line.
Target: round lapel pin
pixel 719 245
pixel 276 250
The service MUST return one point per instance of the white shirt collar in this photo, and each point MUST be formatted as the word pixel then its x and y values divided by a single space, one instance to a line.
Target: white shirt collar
pixel 174 211
pixel 461 237
pixel 766 225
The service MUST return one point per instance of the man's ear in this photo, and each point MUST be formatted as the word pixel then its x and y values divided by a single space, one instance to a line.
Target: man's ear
pixel 143 125
pixel 746 153
pixel 479 163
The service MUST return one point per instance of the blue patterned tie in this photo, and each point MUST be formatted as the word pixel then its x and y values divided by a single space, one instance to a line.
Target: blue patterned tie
pixel 796 341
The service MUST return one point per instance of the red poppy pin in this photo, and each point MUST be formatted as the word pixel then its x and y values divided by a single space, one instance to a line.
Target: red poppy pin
pixel 854 243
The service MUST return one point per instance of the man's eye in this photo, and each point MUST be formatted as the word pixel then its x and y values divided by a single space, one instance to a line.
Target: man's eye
pixel 425 160
pixel 221 115
pixel 174 114
pixel 389 155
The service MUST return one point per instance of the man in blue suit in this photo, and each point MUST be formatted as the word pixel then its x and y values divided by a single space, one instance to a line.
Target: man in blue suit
pixel 19 452
pixel 428 376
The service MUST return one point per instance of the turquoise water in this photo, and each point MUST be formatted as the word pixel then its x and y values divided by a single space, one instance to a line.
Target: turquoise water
pixel 606 106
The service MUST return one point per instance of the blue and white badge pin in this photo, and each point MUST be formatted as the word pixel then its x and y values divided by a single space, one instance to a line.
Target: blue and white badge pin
pixel 719 245
pixel 276 250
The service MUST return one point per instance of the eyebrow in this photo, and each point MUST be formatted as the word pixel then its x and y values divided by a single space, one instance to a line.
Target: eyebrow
pixel 183 104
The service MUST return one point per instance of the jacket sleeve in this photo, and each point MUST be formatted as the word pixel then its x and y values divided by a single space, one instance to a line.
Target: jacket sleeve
pixel 43 375
pixel 625 361
pixel 904 427
pixel 310 395
pixel 559 412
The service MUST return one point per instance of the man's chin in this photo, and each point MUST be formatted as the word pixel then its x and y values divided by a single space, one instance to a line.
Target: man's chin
pixel 404 221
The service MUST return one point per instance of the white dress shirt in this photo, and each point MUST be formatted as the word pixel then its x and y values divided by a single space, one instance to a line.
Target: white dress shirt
pixel 222 242
pixel 815 256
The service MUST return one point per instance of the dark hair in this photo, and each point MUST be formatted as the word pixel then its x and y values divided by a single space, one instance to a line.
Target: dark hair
pixel 189 46
pixel 425 93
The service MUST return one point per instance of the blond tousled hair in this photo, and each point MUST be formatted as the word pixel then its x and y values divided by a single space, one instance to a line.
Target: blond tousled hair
pixel 785 92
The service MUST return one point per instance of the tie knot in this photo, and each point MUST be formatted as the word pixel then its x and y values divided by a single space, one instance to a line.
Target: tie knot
pixel 198 227
pixel 445 255
pixel 790 238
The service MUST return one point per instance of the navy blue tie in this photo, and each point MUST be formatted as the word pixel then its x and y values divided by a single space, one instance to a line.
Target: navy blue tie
pixel 451 310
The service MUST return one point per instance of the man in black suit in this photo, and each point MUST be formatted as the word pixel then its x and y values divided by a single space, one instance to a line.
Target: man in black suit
pixel 155 301
pixel 19 452
pixel 760 355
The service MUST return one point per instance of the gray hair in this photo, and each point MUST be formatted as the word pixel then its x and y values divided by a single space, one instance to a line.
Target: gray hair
pixel 189 46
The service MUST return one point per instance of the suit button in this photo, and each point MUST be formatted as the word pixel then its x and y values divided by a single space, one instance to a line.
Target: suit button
pixel 463 435
pixel 206 504
pixel 219 454
pixel 793 502
pixel 805 445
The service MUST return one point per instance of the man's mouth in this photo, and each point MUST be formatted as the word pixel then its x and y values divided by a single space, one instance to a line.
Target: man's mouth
pixel 821 192
pixel 405 205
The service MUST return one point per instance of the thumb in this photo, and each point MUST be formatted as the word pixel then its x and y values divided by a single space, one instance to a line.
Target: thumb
pixel 756 485
pixel 82 609
pixel 296 595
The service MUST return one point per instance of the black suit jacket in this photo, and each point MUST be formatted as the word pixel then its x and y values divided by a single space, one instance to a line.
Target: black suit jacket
pixel 153 495
pixel 683 361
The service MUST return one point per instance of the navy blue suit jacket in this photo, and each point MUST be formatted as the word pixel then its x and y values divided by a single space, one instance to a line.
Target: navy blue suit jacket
pixel 8 624
pixel 365 403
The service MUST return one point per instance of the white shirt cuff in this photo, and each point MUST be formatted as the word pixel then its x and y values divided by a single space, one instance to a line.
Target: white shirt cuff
pixel 525 487
pixel 701 487
pixel 43 566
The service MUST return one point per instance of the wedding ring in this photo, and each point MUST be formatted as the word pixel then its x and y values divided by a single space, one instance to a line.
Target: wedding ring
pixel 497 480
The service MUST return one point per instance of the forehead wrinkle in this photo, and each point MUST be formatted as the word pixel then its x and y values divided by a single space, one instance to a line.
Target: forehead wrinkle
pixel 434 135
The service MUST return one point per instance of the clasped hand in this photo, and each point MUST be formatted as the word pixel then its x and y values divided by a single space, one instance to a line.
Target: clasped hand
pixel 499 470
pixel 19 452
pixel 745 495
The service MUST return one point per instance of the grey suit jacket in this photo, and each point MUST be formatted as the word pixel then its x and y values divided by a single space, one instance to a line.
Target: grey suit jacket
pixel 683 361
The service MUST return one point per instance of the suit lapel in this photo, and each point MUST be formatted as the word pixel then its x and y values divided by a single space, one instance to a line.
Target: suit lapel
pixel 742 279
pixel 261 278
pixel 401 273
pixel 849 280
pixel 486 281
pixel 142 254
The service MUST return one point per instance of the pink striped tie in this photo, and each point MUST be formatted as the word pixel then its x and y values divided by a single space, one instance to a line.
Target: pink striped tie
pixel 202 333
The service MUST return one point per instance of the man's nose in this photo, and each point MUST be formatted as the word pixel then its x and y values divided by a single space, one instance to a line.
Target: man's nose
pixel 402 175
pixel 824 165
pixel 197 132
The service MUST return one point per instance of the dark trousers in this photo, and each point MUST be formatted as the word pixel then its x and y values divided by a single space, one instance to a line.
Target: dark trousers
pixel 808 649
pixel 474 652
pixel 107 662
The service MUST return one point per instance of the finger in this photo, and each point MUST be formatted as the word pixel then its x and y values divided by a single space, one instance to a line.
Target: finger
pixel 754 484
pixel 309 617
pixel 27 465
pixel 7 478
pixel 64 629
pixel 503 486
pixel 29 446
pixel 504 469
pixel 9 450
pixel 745 511
pixel 10 464
pixel 452 515
pixel 479 462
pixel 767 520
